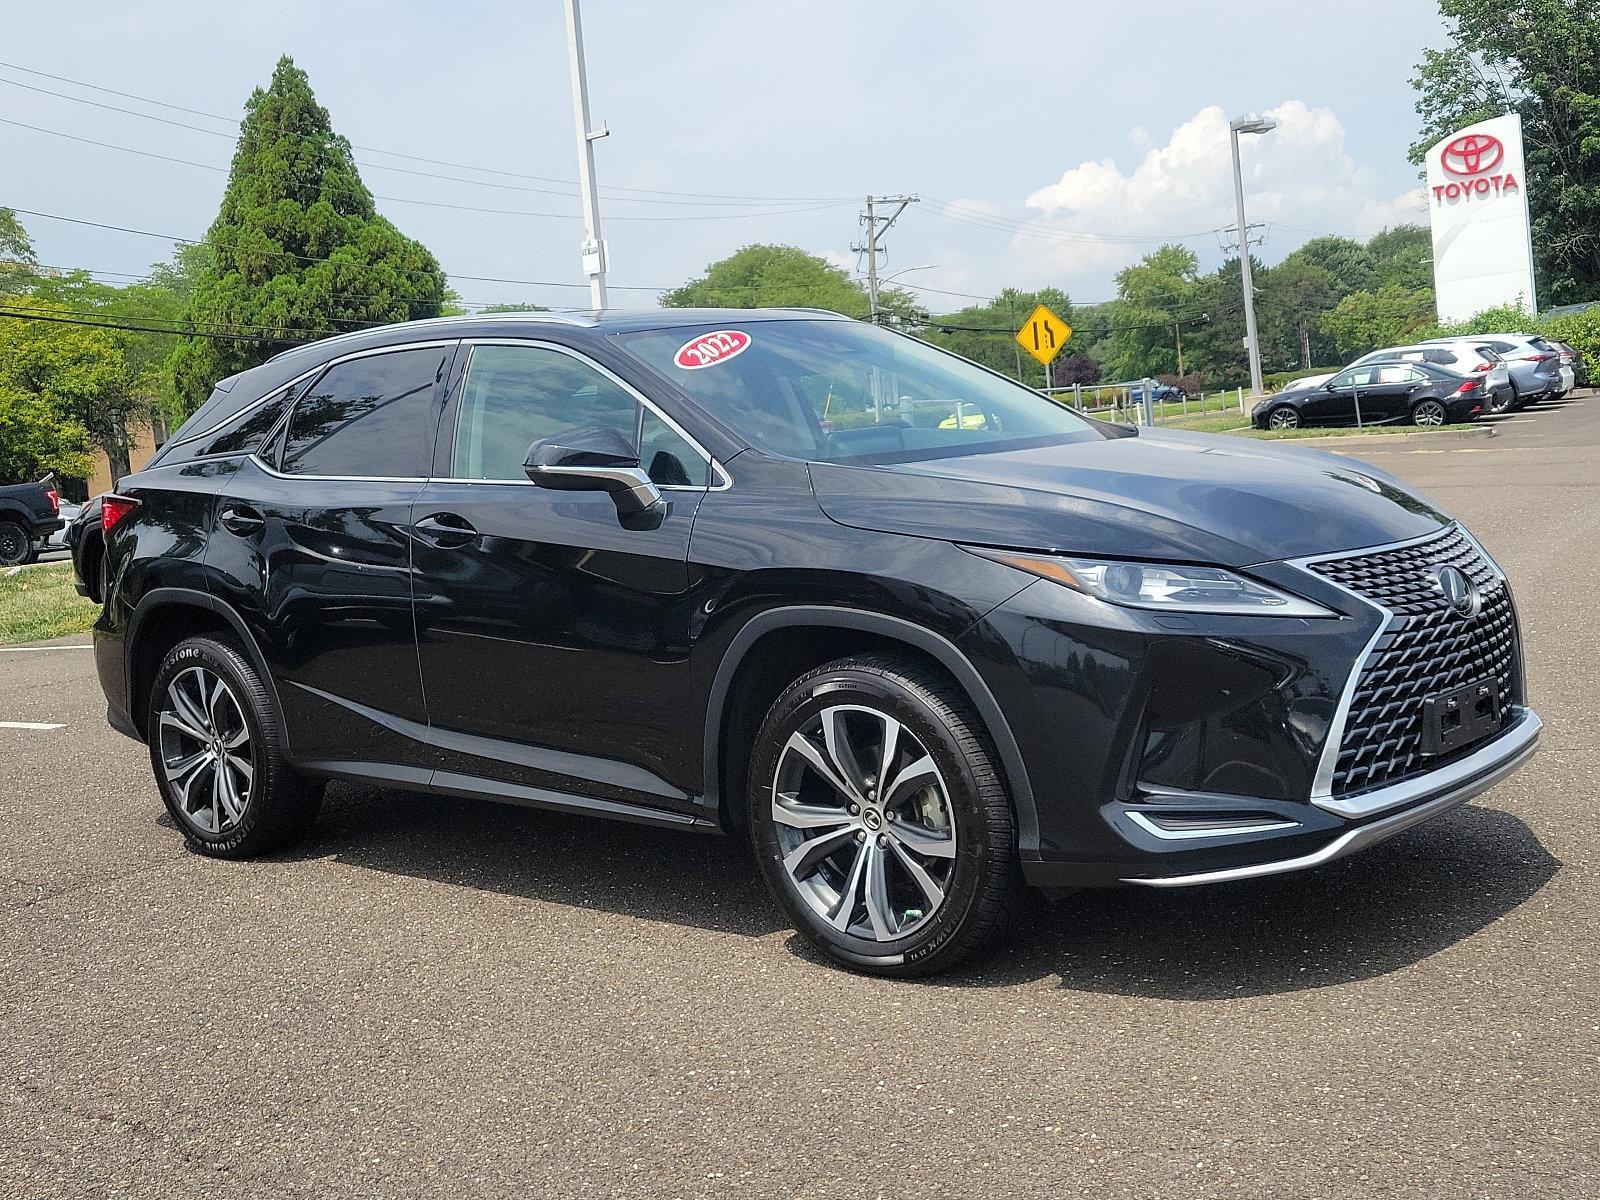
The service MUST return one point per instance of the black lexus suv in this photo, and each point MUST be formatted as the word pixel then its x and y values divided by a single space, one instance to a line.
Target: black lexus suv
pixel 920 634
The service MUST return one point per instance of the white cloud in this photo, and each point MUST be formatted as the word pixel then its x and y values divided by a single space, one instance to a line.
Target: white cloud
pixel 1299 178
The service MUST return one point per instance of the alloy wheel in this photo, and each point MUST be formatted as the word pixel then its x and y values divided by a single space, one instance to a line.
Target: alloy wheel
pixel 1429 412
pixel 206 753
pixel 864 821
pixel 1284 418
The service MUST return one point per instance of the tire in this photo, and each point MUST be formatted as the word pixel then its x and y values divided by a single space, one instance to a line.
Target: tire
pixel 15 544
pixel 239 811
pixel 1517 401
pixel 1504 402
pixel 928 868
pixel 1283 417
pixel 1429 414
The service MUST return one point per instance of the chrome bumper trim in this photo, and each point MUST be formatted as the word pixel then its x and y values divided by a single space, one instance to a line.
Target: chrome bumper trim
pixel 1434 793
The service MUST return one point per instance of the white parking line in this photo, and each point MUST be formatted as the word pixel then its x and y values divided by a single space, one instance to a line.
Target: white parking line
pixel 43 725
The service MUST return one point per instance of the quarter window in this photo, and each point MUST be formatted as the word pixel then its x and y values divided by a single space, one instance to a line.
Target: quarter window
pixel 244 434
pixel 371 417
pixel 514 396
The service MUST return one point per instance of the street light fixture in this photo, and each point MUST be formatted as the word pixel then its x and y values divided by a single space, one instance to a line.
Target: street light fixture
pixel 1249 123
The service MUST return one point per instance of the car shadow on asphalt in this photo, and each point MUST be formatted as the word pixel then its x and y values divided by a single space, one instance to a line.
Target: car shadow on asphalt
pixel 1357 918
pixel 1371 914
pixel 694 879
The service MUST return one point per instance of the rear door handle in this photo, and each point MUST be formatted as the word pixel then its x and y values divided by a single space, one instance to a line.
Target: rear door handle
pixel 241 519
pixel 445 530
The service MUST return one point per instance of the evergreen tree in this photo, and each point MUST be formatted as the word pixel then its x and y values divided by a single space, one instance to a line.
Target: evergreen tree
pixel 298 249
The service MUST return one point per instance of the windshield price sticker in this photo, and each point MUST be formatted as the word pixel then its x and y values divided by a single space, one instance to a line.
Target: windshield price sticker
pixel 712 348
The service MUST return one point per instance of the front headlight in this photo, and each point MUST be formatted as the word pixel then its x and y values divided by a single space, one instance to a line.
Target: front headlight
pixel 1165 587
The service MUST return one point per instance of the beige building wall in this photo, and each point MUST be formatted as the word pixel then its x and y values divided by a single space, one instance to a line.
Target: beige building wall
pixel 141 449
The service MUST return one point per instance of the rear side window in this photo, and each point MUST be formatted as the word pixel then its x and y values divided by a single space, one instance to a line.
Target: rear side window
pixel 372 417
pixel 517 395
pixel 244 434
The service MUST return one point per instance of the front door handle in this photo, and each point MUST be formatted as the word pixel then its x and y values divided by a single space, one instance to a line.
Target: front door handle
pixel 242 520
pixel 445 530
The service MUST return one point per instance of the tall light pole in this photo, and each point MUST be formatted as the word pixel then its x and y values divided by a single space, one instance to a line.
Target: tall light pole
pixel 1249 123
pixel 594 246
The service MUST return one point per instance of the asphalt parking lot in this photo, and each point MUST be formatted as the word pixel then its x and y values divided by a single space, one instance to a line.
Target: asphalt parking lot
pixel 438 997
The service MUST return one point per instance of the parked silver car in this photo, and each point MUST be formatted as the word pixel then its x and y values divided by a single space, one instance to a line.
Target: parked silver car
pixel 1535 364
pixel 1472 359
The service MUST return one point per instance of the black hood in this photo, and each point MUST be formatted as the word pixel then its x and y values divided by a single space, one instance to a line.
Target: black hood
pixel 1184 497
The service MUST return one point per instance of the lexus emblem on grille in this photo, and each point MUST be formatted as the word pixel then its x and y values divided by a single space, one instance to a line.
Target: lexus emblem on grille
pixel 1460 593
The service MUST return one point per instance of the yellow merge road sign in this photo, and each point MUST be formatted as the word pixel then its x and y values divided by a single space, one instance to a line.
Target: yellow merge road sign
pixel 1044 334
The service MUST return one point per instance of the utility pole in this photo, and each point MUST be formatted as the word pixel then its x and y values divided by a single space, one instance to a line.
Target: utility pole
pixel 1177 332
pixel 594 246
pixel 870 244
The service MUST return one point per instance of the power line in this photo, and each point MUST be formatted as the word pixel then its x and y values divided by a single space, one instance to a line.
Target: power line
pixel 704 197
pixel 76 317
pixel 507 212
pixel 187 241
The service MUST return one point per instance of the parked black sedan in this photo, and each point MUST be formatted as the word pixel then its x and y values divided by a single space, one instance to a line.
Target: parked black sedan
pixel 1379 393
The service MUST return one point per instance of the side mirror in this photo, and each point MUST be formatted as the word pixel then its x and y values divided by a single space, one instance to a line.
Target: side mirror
pixel 596 459
pixel 1328 387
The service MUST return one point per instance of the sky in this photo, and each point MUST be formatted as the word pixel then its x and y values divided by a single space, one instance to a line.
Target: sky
pixel 1050 143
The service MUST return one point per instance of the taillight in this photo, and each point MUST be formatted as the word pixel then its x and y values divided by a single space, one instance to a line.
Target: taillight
pixel 113 509
pixel 1484 366
pixel 55 500
pixel 1537 357
pixel 1467 385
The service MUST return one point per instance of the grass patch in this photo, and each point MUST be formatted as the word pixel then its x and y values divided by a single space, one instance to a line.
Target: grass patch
pixel 39 602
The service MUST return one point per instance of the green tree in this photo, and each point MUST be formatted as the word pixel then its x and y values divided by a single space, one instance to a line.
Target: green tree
pixel 765 276
pixel 511 308
pixel 986 333
pixel 17 262
pixel 1295 295
pixel 1349 262
pixel 63 390
pixel 298 249
pixel 1365 321
pixel 1153 297
pixel 1540 59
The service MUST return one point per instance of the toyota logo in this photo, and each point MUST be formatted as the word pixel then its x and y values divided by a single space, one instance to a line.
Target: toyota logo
pixel 1473 154
pixel 1460 592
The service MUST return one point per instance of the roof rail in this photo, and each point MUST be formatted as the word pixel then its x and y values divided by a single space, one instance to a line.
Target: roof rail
pixel 435 322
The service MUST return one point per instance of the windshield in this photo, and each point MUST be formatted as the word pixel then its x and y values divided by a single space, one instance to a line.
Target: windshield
pixel 839 391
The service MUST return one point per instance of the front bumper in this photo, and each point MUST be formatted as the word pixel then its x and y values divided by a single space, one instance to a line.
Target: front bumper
pixel 1417 800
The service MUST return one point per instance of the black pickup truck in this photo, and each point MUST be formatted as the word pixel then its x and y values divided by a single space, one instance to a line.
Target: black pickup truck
pixel 29 514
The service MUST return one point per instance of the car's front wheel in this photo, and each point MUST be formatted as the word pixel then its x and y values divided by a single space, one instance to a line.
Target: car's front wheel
pixel 1283 417
pixel 879 818
pixel 217 748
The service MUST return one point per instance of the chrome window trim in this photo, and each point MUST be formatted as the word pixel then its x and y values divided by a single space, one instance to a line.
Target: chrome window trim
pixel 301 378
pixel 1382 798
pixel 721 480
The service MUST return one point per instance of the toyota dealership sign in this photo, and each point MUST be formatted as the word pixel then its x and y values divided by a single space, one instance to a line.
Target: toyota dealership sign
pixel 1478 198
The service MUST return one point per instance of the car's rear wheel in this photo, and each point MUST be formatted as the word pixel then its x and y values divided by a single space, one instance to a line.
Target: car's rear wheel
pixel 217 748
pixel 1429 413
pixel 1502 401
pixel 879 818
pixel 14 544
pixel 1283 417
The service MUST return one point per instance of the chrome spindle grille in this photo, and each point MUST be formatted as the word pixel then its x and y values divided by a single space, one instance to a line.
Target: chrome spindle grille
pixel 1426 648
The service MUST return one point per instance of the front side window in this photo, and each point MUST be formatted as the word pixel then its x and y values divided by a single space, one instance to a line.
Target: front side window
pixel 514 396
pixel 371 417
pixel 831 390
pixel 1359 377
